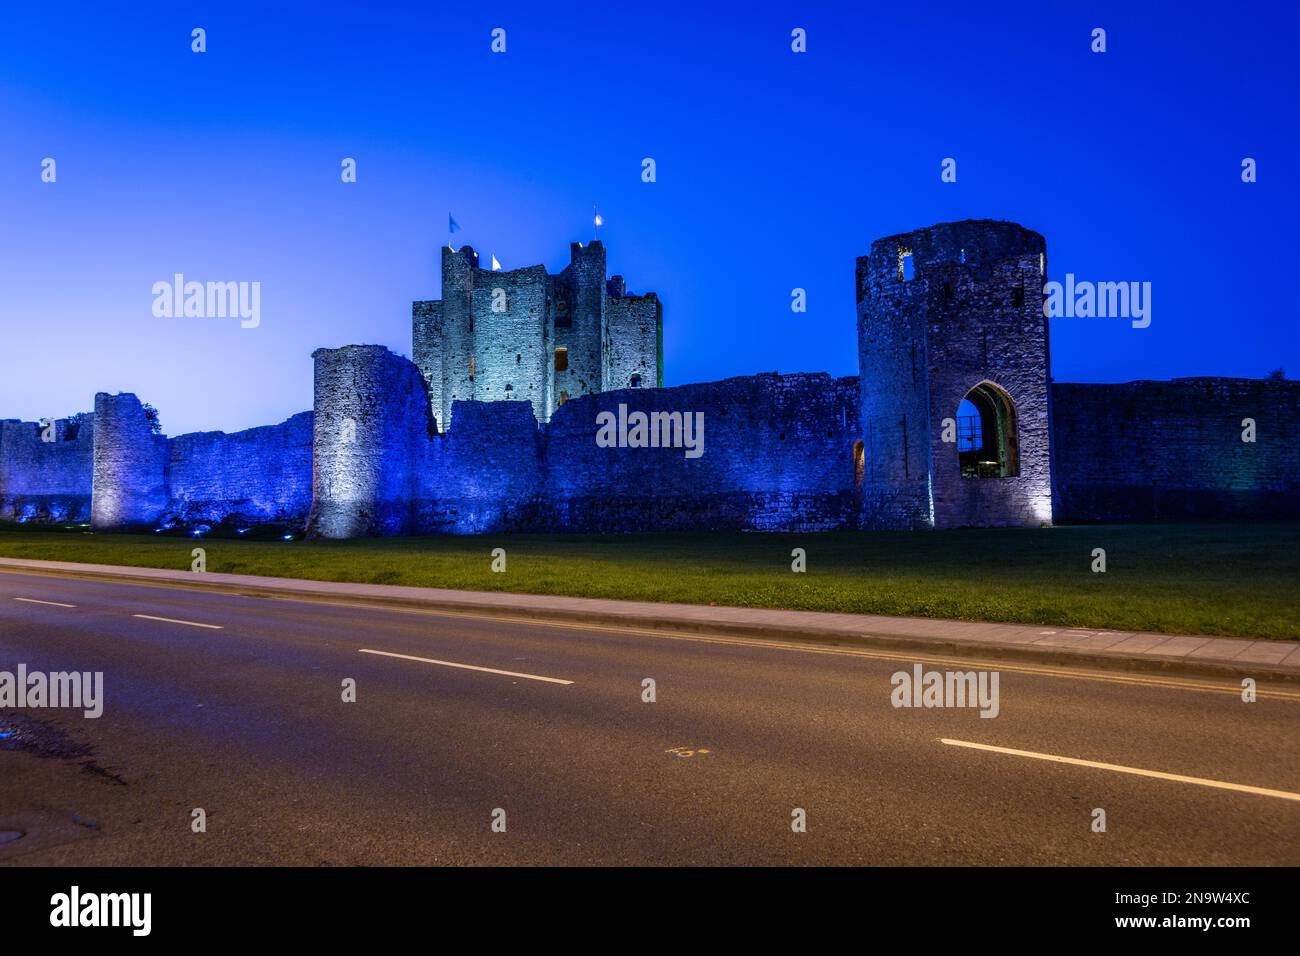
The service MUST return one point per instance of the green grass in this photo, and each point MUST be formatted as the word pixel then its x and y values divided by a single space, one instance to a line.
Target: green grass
pixel 1237 580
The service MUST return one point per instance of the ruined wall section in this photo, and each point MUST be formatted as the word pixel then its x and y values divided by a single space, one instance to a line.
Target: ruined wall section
pixel 129 483
pixel 1173 451
pixel 427 351
pixel 777 456
pixel 633 339
pixel 260 475
pixel 485 475
pixel 371 434
pixel 47 482
pixel 894 492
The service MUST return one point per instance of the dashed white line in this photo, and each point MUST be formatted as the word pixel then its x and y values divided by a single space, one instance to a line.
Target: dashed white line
pixel 468 667
pixel 1119 768
pixel 50 603
pixel 172 620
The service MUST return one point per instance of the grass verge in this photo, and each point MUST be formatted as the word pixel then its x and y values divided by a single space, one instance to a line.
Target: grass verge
pixel 1232 580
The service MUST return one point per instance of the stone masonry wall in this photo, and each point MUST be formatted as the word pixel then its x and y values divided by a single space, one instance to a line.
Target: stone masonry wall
pixel 969 312
pixel 579 322
pixel 129 484
pixel 511 347
pixel 485 474
pixel 778 454
pixel 1168 451
pixel 371 431
pixel 46 482
pixel 633 339
pixel 426 350
pixel 260 475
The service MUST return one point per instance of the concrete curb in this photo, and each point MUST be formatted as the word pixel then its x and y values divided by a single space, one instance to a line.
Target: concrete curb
pixel 865 631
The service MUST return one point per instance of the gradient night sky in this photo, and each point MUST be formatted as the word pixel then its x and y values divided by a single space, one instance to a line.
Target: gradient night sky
pixel 775 170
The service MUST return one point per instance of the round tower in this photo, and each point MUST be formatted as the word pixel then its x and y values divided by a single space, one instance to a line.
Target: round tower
pixel 129 466
pixel 955 378
pixel 370 432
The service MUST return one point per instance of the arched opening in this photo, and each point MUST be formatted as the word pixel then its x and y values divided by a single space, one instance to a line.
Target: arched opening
pixel 859 463
pixel 986 433
pixel 561 359
pixel 636 381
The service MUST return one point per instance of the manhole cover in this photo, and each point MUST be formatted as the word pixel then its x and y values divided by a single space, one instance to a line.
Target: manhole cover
pixel 8 836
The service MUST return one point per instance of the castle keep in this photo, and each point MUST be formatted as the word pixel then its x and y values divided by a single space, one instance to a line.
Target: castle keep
pixel 953 420
pixel 524 335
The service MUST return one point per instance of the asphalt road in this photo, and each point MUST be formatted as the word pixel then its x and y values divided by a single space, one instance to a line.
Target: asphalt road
pixel 245 719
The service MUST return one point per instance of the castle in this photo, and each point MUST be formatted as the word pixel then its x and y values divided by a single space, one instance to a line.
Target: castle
pixel 528 336
pixel 953 420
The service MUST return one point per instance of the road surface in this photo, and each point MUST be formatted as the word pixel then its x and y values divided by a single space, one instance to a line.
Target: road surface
pixel 234 705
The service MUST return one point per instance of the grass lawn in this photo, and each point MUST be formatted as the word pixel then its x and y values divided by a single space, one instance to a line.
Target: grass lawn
pixel 1238 580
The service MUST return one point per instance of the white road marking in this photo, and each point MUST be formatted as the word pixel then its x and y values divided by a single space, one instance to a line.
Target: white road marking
pixel 468 667
pixel 172 620
pixel 967 663
pixel 50 603
pixel 1118 768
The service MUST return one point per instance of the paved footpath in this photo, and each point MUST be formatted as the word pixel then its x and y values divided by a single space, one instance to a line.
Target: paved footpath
pixel 1138 650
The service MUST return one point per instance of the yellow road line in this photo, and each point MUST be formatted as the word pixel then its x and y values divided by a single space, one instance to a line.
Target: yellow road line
pixel 1119 768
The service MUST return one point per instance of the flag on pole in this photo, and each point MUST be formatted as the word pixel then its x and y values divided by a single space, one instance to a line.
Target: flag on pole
pixel 452 225
pixel 599 221
pixel 496 266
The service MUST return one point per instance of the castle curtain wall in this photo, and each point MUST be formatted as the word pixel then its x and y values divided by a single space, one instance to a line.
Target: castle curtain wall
pixel 258 475
pixel 1170 451
pixel 46 482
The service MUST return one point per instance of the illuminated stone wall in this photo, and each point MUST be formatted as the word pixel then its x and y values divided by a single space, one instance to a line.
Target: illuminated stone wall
pixel 1171 451
pixel 800 452
pixel 46 482
pixel 966 310
pixel 371 439
pixel 260 475
pixel 129 485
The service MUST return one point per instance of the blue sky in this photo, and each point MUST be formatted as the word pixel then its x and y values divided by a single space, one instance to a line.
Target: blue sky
pixel 775 171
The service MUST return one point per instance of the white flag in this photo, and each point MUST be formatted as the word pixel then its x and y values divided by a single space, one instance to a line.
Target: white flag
pixel 496 266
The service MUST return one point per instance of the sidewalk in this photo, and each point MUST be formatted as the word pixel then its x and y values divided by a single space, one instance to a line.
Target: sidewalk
pixel 1211 656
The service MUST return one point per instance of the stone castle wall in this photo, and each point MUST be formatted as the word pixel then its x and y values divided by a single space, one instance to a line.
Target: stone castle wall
pixel 777 455
pixel 378 454
pixel 46 482
pixel 260 475
pixel 1171 451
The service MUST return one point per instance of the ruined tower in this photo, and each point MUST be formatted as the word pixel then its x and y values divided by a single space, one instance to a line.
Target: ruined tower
pixel 526 335
pixel 955 384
